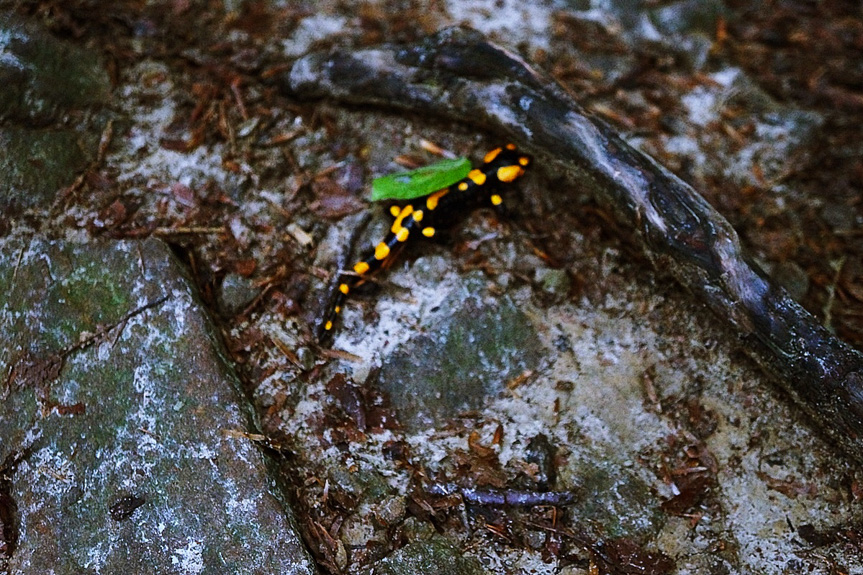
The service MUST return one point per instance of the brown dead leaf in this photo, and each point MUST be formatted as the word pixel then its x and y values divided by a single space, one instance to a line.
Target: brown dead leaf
pixel 333 201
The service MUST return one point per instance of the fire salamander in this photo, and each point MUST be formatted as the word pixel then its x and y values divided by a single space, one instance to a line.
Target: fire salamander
pixel 421 216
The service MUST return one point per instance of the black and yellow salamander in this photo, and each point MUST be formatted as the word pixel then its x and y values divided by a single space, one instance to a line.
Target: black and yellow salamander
pixel 420 217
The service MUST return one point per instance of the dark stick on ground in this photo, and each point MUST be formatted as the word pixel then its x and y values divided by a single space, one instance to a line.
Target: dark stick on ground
pixel 503 497
pixel 458 74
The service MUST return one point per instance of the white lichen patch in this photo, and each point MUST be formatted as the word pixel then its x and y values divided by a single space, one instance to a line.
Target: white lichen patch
pixel 8 37
pixel 510 21
pixel 412 305
pixel 704 102
pixel 149 168
pixel 56 473
pixel 189 559
pixel 758 156
pixel 239 506
pixel 311 29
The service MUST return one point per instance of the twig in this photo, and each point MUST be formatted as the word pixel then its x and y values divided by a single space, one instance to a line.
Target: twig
pixel 491 497
pixel 189 230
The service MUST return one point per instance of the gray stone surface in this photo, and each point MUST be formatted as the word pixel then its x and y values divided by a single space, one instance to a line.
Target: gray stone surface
pixel 44 77
pixel 36 163
pixel 45 83
pixel 236 293
pixel 123 413
pixel 462 360
pixel 434 556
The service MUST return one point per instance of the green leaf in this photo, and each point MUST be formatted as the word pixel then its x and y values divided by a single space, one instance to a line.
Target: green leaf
pixel 420 182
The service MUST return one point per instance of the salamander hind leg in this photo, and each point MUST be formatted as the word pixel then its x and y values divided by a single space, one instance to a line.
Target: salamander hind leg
pixel 347 283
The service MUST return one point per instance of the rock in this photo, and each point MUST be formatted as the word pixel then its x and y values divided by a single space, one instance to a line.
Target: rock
pixel 236 293
pixel 122 434
pixel 612 502
pixel 43 77
pixel 434 556
pixel 37 163
pixel 462 361
pixel 46 84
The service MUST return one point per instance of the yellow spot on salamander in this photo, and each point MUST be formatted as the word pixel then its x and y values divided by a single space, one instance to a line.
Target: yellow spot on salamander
pixel 432 200
pixel 509 173
pixel 405 212
pixel 328 326
pixel 394 210
pixel 428 232
pixel 344 289
pixel 337 309
pixel 524 161
pixel 381 251
pixel 477 177
pixel 510 146
pixel 462 187
pixel 418 215
pixel 496 200
pixel 361 267
pixel 491 155
pixel 402 234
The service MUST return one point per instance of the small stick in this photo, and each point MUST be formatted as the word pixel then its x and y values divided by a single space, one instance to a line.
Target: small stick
pixel 490 497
